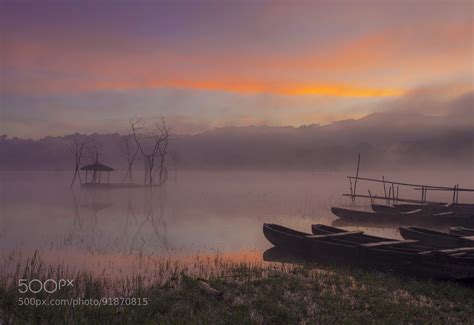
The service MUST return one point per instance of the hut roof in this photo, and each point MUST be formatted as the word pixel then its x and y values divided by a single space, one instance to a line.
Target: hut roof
pixel 97 167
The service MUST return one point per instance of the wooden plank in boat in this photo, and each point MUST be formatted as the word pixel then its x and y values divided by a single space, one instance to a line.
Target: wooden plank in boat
pixel 336 235
pixel 460 254
pixel 449 251
pixel 391 242
pixel 468 237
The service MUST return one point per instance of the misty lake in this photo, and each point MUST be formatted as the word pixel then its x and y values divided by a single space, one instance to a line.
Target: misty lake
pixel 195 214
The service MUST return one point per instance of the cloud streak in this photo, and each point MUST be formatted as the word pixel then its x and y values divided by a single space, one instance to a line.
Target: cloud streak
pixel 224 64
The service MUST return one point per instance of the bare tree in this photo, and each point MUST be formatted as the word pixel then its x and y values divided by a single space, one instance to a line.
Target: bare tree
pixel 77 148
pixel 162 149
pixel 131 152
pixel 153 145
pixel 93 154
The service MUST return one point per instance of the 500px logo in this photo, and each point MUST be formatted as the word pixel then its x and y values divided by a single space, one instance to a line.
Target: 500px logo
pixel 49 285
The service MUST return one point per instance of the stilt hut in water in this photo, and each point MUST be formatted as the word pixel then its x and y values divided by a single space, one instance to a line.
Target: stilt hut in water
pixel 96 171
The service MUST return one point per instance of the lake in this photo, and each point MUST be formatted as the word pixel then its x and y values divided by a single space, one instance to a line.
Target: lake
pixel 195 214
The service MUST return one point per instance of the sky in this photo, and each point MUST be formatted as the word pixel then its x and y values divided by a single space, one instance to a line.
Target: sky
pixel 91 66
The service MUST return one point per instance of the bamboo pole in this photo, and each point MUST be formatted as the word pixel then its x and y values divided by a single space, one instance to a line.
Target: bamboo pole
pixel 375 197
pixel 352 191
pixel 370 195
pixel 393 193
pixel 357 175
pixel 431 187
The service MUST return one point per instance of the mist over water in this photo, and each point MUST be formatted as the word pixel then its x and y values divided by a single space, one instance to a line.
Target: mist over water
pixel 196 212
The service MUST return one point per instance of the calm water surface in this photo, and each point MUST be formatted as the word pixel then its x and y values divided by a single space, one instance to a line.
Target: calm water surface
pixel 196 213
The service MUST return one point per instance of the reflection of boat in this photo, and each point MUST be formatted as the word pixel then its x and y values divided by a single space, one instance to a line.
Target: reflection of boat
pixel 278 254
pixel 388 255
pixel 412 218
pixel 436 238
pixel 461 231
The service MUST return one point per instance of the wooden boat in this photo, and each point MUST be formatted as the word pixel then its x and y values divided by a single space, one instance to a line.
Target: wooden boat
pixel 393 210
pixel 448 218
pixel 457 208
pixel 385 209
pixel 285 237
pixel 424 207
pixel 381 223
pixel 423 210
pixel 436 238
pixel 319 229
pixel 461 231
pixel 386 255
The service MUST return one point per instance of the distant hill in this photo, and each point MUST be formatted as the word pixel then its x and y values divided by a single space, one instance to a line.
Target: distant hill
pixel 386 139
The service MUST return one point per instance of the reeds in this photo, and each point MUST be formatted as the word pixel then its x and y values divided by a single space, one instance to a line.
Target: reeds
pixel 214 290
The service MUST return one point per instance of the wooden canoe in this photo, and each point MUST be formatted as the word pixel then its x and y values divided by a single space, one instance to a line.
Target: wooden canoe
pixel 435 238
pixel 457 208
pixel 461 231
pixel 412 218
pixel 393 210
pixel 332 249
pixel 319 229
pixel 284 237
pixel 424 207
pixel 385 209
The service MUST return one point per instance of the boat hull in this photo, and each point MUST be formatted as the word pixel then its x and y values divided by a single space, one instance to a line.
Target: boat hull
pixel 334 250
pixel 434 238
pixel 399 218
pixel 458 209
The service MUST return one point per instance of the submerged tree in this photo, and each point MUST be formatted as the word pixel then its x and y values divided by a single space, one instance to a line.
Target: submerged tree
pixel 131 152
pixel 153 145
pixel 77 148
pixel 93 154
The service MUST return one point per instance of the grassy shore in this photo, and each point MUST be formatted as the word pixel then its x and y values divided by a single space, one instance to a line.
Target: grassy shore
pixel 239 293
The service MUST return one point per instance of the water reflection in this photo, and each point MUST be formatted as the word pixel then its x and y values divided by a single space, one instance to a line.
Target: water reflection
pixel 201 213
pixel 130 233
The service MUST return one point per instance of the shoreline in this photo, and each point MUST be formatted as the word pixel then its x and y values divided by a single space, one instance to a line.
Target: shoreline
pixel 239 292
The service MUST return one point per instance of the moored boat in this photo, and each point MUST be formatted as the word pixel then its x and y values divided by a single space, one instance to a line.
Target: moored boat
pixel 436 238
pixel 456 208
pixel 414 217
pixel 386 255
pixel 423 207
pixel 284 237
pixel 319 229
pixel 379 208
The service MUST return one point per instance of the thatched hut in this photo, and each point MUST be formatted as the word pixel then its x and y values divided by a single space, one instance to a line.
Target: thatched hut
pixel 97 169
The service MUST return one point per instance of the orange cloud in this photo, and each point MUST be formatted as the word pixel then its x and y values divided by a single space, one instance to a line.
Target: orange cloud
pixel 262 87
pixel 232 87
pixel 386 58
